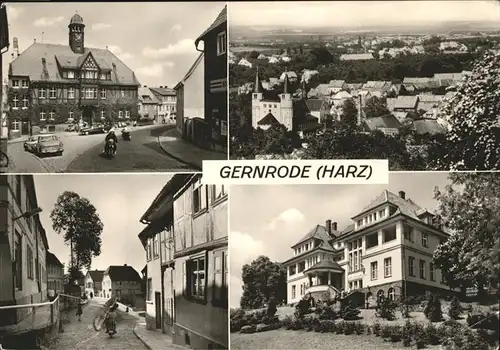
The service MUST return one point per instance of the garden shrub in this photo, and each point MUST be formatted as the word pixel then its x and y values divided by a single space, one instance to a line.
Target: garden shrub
pixel 469 340
pixel 359 328
pixel 483 320
pixel 396 333
pixel 432 334
pixel 350 312
pixel 376 329
pixel 407 333
pixel 235 326
pixel 302 308
pixel 340 327
pixel 261 327
pixel 325 326
pixel 349 328
pixel 385 332
pixel 271 307
pixel 420 336
pixel 386 309
pixel 455 309
pixel 247 329
pixel 433 310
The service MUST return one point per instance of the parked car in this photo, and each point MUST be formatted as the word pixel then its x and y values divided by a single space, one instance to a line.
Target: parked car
pixel 30 143
pixel 92 130
pixel 71 127
pixel 49 144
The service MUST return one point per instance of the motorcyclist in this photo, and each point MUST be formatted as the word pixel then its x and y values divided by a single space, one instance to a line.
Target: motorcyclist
pixel 111 317
pixel 110 136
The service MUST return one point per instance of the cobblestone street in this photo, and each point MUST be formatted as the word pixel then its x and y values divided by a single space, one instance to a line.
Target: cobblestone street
pixel 83 336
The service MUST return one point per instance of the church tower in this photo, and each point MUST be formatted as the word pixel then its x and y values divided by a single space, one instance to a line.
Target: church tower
pixel 286 106
pixel 256 98
pixel 76 33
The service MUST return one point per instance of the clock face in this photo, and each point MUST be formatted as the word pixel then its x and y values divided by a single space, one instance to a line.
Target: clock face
pixel 78 36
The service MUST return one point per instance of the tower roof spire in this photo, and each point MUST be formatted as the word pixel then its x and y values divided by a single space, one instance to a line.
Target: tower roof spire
pixel 304 90
pixel 256 88
pixel 285 88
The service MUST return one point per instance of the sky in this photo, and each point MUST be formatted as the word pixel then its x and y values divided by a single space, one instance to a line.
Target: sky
pixel 120 201
pixel 282 215
pixel 156 40
pixel 353 13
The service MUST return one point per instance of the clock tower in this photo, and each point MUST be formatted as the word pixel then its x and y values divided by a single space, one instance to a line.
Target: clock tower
pixel 76 33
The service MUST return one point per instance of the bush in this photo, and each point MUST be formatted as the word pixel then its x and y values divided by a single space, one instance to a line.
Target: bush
pixel 340 327
pixel 271 307
pixel 408 333
pixel 359 328
pixel 261 327
pixel 349 328
pixel 376 329
pixel 325 326
pixel 235 326
pixel 432 334
pixel 455 309
pixel 386 309
pixel 420 336
pixel 302 308
pixel 433 310
pixel 483 320
pixel 469 340
pixel 396 333
pixel 350 312
pixel 248 329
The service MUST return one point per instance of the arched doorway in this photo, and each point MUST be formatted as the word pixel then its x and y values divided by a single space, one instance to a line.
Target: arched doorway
pixel 89 114
pixel 380 296
pixel 390 294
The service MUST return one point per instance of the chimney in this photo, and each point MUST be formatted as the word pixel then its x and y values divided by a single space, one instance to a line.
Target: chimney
pixel 34 41
pixel 161 87
pixel 124 264
pixel 145 86
pixel 334 226
pixel 402 194
pixel 328 226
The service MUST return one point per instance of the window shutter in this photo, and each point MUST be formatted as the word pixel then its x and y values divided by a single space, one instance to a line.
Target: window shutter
pixel 217 284
pixel 184 279
pixel 225 279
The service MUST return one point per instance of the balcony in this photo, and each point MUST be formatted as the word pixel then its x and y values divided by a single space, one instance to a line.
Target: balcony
pixel 325 279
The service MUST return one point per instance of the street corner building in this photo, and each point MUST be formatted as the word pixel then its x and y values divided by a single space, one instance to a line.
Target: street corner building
pixel 23 256
pixel 386 252
pixel 186 243
pixel 52 84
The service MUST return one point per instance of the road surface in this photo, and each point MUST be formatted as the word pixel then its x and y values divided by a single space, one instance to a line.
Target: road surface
pixel 83 336
pixel 83 154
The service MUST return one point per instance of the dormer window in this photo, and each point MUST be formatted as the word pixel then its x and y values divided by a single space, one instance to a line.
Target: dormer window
pixel 71 74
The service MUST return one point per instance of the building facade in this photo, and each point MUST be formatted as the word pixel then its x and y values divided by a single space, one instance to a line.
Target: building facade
pixel 122 282
pixel 190 99
pixel 50 84
pixel 23 247
pixel 187 232
pixel 215 60
pixel 386 251
pixel 167 104
pixel 55 274
pixel 148 104
pixel 93 283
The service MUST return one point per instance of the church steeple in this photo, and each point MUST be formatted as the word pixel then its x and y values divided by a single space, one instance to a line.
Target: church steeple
pixel 76 32
pixel 304 90
pixel 285 88
pixel 256 88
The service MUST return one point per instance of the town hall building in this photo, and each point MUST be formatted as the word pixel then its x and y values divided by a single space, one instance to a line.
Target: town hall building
pixel 51 84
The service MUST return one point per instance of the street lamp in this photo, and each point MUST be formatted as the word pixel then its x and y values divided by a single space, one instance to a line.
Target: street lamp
pixel 29 214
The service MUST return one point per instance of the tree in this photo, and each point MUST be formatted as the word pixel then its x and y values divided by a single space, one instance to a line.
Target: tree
pixel 262 279
pixel 82 227
pixel 432 310
pixel 254 54
pixel 470 209
pixel 473 116
pixel 375 107
pixel 455 309
pixel 349 112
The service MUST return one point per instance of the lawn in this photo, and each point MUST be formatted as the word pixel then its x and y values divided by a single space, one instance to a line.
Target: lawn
pixel 283 339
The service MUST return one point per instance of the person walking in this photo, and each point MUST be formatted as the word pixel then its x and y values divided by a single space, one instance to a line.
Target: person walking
pixel 79 311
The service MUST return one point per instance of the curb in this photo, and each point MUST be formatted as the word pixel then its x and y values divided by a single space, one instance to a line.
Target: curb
pixel 140 339
pixel 195 166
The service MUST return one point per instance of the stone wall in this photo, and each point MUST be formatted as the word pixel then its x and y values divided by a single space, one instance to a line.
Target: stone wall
pixel 186 338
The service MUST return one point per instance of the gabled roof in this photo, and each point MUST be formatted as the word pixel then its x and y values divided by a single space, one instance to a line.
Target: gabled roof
pixel 314 104
pixel 406 102
pixel 122 273
pixel 326 264
pixel 53 260
pixel 342 95
pixel 39 59
pixel 428 126
pixel 356 56
pixel 391 102
pixel 163 91
pixel 269 119
pixel 405 206
pixel 376 84
pixel 191 70
pixel 337 83
pixel 318 232
pixel 146 96
pixel 385 122
pixel 219 21
pixel 96 275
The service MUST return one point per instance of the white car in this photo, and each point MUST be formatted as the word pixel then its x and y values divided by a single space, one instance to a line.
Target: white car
pixel 30 144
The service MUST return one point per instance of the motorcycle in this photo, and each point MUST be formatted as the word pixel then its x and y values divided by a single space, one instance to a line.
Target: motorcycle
pixel 126 135
pixel 110 148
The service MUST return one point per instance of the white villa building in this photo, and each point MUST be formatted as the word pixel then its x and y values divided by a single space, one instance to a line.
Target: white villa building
pixel 387 250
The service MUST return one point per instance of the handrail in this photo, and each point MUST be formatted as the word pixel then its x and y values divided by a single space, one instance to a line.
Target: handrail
pixel 25 306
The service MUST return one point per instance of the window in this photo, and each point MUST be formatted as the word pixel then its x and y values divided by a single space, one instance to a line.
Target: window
pixel 25 102
pixel 218 191
pixel 150 289
pixel 52 115
pixel 52 93
pixel 390 294
pixel 148 250
pixel 374 270
pixel 199 198
pixel 387 267
pixel 196 278
pixel 103 93
pixel 102 115
pixel 15 125
pixel 71 93
pixel 421 265
pixel 90 93
pixel 411 266
pixel 220 278
pixel 425 239
pixel 372 240
pixel 155 246
pixel 120 114
pixel 29 262
pixel 102 76
pixel 291 270
pixel 71 74
pixel 389 234
pixel 122 93
pixel 42 93
pixel 293 292
pixel 15 83
pixel 18 254
pixel 43 115
pixel 409 233
pixel 15 102
pixel 221 43
pixel 431 272
pixel 71 115
pixel 127 114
